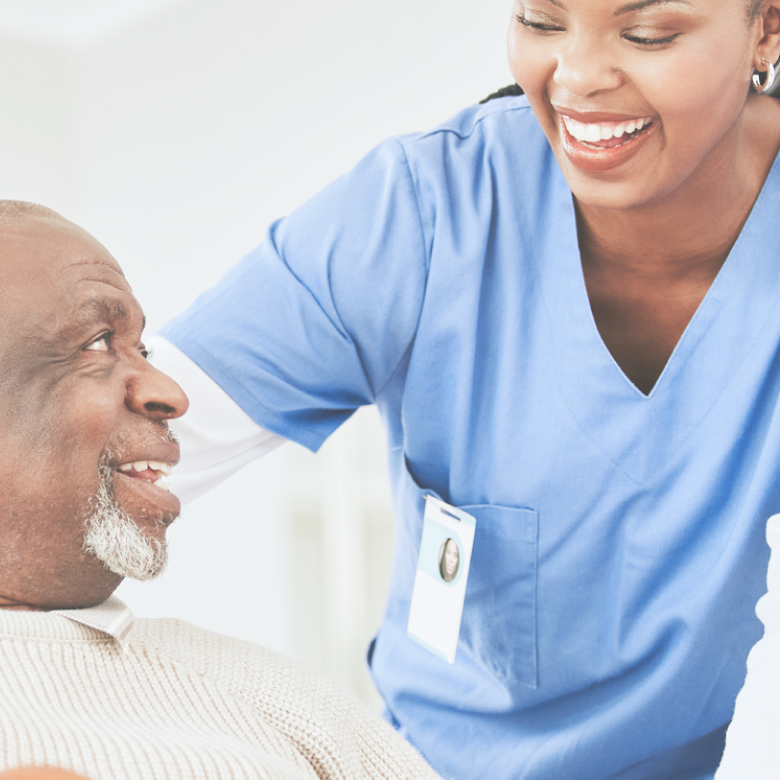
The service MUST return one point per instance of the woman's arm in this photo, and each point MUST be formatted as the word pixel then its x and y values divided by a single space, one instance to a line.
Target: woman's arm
pixel 217 437
pixel 752 743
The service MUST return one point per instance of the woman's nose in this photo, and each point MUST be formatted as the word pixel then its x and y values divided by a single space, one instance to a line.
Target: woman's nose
pixel 585 66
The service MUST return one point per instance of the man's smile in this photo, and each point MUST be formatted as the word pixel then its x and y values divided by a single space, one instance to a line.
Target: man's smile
pixel 154 471
pixel 140 480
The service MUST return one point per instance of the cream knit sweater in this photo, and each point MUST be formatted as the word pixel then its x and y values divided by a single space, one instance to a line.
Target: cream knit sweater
pixel 179 703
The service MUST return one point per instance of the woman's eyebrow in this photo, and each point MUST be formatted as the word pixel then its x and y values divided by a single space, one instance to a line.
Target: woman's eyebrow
pixel 640 4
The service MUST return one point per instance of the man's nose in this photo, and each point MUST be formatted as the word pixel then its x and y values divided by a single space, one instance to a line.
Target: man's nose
pixel 154 394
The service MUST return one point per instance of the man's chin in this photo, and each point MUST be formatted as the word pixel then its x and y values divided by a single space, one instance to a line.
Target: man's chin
pixel 117 541
pixel 125 550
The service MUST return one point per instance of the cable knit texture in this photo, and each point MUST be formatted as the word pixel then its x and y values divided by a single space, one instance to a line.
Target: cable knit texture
pixel 180 702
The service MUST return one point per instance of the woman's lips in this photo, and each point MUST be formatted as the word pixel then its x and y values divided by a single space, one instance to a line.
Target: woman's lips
pixel 612 149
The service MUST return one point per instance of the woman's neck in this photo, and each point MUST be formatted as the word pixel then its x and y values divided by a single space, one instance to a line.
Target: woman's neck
pixel 693 228
pixel 648 268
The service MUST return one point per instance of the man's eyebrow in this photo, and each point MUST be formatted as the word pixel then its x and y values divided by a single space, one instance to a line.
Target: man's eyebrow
pixel 94 308
pixel 111 310
pixel 640 4
pixel 106 308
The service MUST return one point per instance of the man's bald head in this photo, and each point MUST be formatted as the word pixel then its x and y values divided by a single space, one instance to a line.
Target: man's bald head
pixel 19 210
pixel 77 401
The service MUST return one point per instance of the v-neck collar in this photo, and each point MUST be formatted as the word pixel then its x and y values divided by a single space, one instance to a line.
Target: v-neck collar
pixel 705 359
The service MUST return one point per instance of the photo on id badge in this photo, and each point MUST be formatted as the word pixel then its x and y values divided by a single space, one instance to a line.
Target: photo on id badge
pixel 449 559
pixel 440 581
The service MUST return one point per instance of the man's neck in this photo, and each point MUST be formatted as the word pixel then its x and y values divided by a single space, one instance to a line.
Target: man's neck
pixel 6 603
pixel 85 592
pixel 34 578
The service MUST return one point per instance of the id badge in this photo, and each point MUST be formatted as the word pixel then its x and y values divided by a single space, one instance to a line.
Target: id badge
pixel 442 574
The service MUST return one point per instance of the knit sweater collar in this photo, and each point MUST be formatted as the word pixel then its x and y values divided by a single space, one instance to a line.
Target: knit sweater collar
pixel 112 618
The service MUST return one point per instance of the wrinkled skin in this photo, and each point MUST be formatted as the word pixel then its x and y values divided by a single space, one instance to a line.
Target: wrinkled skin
pixel 75 385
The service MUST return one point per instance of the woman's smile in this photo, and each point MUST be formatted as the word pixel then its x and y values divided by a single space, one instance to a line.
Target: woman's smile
pixel 662 86
pixel 595 146
pixel 604 135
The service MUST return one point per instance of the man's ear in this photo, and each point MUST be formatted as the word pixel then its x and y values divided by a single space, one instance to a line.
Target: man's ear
pixel 768 47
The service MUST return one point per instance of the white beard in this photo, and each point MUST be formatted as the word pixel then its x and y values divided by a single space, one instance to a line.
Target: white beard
pixel 116 541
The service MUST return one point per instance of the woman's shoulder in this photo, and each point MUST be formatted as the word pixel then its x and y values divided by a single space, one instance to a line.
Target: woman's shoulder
pixel 499 140
pixel 498 119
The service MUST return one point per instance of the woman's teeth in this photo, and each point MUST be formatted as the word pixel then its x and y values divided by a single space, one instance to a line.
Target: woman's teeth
pixel 603 131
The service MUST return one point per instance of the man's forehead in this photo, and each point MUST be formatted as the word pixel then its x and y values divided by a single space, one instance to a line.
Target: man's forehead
pixel 84 276
pixel 59 279
pixel 50 245
pixel 89 297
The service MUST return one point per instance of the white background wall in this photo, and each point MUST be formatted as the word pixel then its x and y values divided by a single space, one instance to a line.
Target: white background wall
pixel 175 131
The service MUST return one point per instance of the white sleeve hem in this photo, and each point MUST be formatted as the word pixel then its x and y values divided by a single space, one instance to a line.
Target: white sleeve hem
pixel 216 435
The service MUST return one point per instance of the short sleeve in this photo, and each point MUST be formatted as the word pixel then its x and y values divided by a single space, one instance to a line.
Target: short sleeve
pixel 314 322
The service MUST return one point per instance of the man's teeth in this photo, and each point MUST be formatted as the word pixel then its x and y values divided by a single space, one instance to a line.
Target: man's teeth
pixel 162 482
pixel 603 131
pixel 160 468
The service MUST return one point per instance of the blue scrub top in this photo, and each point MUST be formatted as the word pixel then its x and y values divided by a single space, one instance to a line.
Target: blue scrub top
pixel 619 548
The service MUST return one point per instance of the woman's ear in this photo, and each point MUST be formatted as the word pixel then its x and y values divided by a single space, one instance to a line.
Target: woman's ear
pixel 768 47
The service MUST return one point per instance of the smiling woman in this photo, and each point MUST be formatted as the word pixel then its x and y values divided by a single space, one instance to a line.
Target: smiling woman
pixel 565 305
pixel 646 108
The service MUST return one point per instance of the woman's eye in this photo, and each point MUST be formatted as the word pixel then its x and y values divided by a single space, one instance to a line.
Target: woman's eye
pixel 539 26
pixel 642 40
pixel 100 344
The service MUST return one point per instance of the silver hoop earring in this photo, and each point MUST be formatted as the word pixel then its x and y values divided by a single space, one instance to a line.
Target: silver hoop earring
pixel 769 81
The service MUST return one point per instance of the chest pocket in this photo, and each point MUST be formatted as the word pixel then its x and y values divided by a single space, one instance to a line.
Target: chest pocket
pixel 498 630
pixel 499 616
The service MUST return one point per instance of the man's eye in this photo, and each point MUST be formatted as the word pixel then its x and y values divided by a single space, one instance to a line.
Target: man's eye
pixel 100 344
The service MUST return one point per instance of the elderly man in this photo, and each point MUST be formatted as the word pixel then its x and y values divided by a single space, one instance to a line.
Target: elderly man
pixel 85 452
